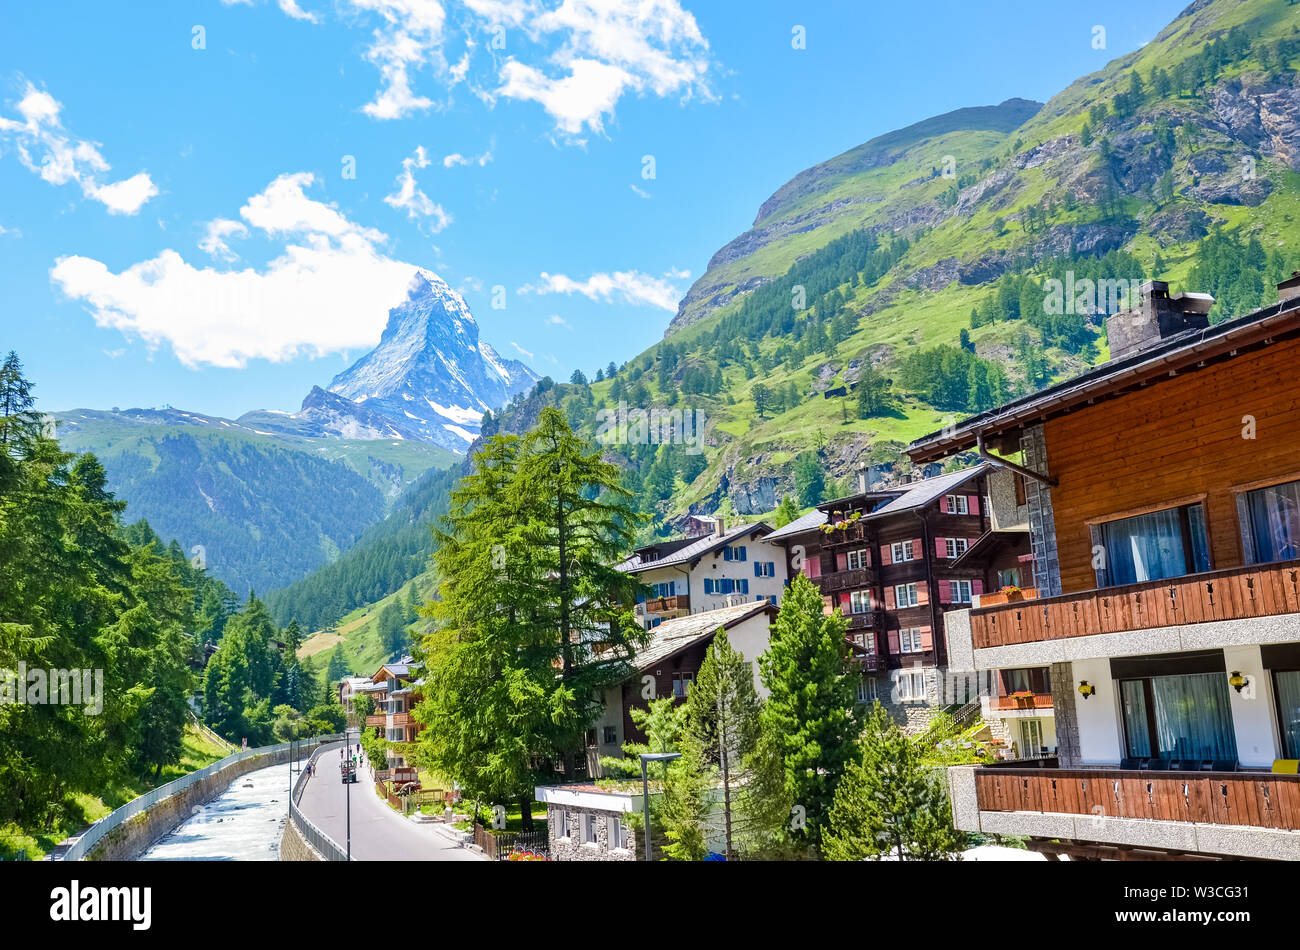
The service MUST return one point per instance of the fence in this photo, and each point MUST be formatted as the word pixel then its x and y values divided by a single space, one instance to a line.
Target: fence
pixel 92 835
pixel 326 846
pixel 499 846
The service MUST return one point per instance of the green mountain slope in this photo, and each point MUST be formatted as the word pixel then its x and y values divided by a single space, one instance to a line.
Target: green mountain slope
pixel 261 510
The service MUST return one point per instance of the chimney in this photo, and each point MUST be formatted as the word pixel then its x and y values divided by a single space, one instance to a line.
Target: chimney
pixel 1289 289
pixel 719 526
pixel 1156 317
pixel 862 477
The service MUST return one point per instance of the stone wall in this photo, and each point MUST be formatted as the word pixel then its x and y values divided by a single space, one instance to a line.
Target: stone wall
pixel 294 847
pixel 134 836
pixel 572 848
pixel 1067 720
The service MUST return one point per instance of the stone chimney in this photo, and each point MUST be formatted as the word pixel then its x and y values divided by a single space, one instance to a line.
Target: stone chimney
pixel 863 487
pixel 1156 317
pixel 719 526
pixel 1289 289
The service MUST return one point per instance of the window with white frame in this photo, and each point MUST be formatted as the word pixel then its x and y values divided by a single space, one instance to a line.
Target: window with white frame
pixel 955 547
pixel 909 640
pixel 867 690
pixel 910 685
pixel 616 834
pixel 902 551
pixel 905 595
pixel 564 829
pixel 857 560
pixel 588 829
pixel 859 602
pixel 961 591
pixel 957 505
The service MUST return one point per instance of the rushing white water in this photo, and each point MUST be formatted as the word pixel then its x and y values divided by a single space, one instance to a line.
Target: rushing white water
pixel 243 823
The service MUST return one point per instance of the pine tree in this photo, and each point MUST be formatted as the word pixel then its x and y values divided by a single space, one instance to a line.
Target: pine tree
pixel 810 714
pixel 786 511
pixel 890 801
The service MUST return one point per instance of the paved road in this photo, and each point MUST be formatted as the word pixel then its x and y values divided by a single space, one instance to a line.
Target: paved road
pixel 378 832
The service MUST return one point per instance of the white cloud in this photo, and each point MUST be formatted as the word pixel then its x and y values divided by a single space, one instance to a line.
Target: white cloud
pixel 575 58
pixel 556 320
pixel 640 192
pixel 521 349
pixel 456 158
pixel 328 290
pixel 214 240
pixel 410 198
pixel 631 287
pixel 46 148
pixel 14 231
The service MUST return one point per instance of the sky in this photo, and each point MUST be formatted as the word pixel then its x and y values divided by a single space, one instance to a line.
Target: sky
pixel 212 204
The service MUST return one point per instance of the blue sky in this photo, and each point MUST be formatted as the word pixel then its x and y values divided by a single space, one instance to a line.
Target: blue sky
pixel 178 225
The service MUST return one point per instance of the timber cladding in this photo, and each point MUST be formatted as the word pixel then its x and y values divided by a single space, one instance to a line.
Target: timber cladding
pixel 1173 442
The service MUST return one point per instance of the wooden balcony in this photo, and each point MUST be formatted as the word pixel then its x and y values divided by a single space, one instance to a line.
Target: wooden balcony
pixel 663 605
pixel 1036 701
pixel 1259 590
pixel 868 620
pixel 855 533
pixel 844 580
pixel 1257 799
pixel 380 720
pixel 867 652
pixel 402 719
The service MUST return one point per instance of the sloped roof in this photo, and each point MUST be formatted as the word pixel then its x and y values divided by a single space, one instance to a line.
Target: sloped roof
pixel 679 633
pixel 814 519
pixel 696 549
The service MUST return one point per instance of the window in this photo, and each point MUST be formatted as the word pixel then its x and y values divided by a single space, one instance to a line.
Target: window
pixel 957 505
pixel 954 547
pixel 611 735
pixel 902 551
pixel 961 591
pixel 1178 717
pixel 616 834
pixel 909 640
pixel 910 685
pixel 1287 685
pixel 867 690
pixel 1154 546
pixel 905 595
pixel 1009 577
pixel 734 553
pixel 682 684
pixel 859 602
pixel 1274 514
pixel 588 829
pixel 564 829
pixel 765 569
pixel 857 560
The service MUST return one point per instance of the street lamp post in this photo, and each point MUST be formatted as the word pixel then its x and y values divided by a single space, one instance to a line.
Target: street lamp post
pixel 647 757
pixel 347 745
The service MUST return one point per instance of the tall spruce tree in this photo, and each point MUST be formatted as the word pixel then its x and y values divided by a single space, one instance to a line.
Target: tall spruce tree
pixel 810 713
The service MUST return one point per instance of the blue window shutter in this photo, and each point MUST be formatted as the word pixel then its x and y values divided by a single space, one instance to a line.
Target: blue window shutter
pixel 745 588
pixel 742 552
pixel 708 585
pixel 771 568
pixel 640 597
pixel 726 554
pixel 758 569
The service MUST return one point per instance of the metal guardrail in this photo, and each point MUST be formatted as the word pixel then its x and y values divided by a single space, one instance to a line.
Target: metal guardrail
pixel 96 832
pixel 326 846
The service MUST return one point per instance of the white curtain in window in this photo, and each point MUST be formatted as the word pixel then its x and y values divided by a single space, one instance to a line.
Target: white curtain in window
pixel 1146 548
pixel 1275 520
pixel 1193 718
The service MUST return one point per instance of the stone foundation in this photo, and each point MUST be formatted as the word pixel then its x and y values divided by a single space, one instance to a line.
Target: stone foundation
pixel 294 847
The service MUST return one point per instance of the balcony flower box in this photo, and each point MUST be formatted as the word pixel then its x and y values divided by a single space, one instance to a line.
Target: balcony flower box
pixel 1007 595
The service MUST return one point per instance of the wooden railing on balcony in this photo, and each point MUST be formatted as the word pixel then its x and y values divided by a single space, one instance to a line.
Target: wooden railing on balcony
pixel 844 580
pixel 1259 590
pixel 855 533
pixel 1036 701
pixel 1258 799
pixel 379 720
pixel 865 643
pixel 662 605
pixel 402 719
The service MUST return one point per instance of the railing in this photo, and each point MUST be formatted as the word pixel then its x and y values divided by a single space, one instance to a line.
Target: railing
pixel 1260 800
pixel 96 832
pixel 1036 701
pixel 325 846
pixel 844 580
pixel 866 649
pixel 867 620
pixel 500 845
pixel 661 605
pixel 853 534
pixel 1233 594
pixel 378 720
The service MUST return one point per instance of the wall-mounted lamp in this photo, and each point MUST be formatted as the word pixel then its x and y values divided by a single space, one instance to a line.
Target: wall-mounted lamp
pixel 1086 689
pixel 1236 680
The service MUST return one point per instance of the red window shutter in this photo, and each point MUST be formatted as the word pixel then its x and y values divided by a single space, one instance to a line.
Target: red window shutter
pixel 943 503
pixel 889 598
pixel 846 603
pixel 893 642
pixel 945 592
pixel 977 586
pixel 887 554
pixel 927 639
pixel 940 548
pixel 828 607
pixel 922 593
pixel 841 561
pixel 918 550
pixel 974 502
